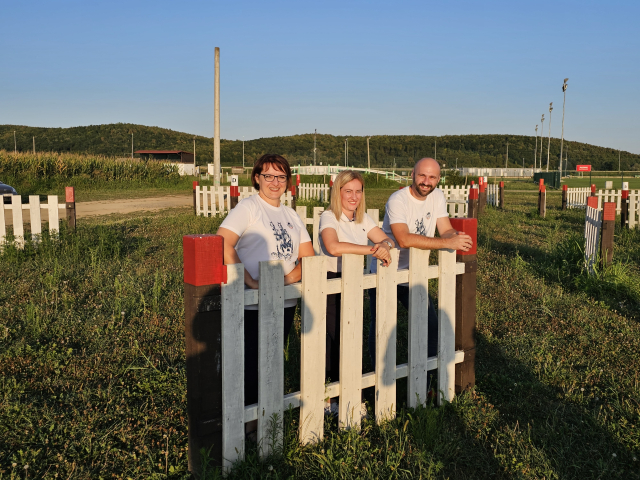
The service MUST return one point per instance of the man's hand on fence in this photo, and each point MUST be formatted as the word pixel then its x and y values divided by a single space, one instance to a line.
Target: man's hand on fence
pixel 381 252
pixel 460 241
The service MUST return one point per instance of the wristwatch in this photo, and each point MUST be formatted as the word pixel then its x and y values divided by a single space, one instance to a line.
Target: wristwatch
pixel 388 243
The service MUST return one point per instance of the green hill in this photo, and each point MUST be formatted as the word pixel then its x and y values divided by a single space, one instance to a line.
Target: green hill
pixel 469 150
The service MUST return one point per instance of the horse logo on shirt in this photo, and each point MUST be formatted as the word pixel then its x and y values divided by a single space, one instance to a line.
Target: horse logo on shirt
pixel 284 247
pixel 420 230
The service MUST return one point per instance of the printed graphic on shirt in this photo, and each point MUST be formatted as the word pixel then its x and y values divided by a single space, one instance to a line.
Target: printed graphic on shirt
pixel 428 215
pixel 284 248
pixel 420 230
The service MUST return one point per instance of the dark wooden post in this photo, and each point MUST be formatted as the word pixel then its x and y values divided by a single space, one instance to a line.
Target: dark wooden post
pixel 204 272
pixel 466 306
pixel 473 202
pixel 234 191
pixel 293 197
pixel 624 205
pixel 70 198
pixel 608 227
pixel 542 200
pixel 593 189
pixel 564 196
pixel 482 195
pixel 501 195
pixel 195 184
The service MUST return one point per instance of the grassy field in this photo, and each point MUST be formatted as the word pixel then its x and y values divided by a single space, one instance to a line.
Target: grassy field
pixel 92 361
pixel 600 182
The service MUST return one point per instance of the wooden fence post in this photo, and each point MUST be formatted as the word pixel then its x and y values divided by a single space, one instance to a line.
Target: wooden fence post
pixel 542 199
pixel 204 272
pixel 593 189
pixel 482 196
pixel 624 205
pixel 466 306
pixel 195 184
pixel 608 227
pixel 501 195
pixel 473 202
pixel 564 197
pixel 70 198
pixel 234 192
pixel 293 197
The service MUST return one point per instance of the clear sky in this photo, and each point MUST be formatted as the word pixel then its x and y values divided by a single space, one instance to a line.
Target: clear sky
pixel 343 67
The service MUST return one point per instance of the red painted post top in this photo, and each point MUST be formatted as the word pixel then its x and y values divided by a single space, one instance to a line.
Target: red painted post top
pixel 234 191
pixel 609 211
pixel 293 190
pixel 195 184
pixel 565 187
pixel 592 202
pixel 473 193
pixel 593 189
pixel 625 194
pixel 501 184
pixel 543 188
pixel 70 194
pixel 470 227
pixel 540 184
pixel 298 179
pixel 204 260
pixel 480 181
pixel 472 183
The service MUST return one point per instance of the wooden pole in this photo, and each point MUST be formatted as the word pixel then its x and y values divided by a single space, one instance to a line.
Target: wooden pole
pixel 608 227
pixel 204 272
pixel 465 376
pixel 216 120
pixel 501 195
pixel 624 205
pixel 564 197
pixel 70 198
pixel 195 184
pixel 542 201
pixel 293 197
pixel 473 203
pixel 234 192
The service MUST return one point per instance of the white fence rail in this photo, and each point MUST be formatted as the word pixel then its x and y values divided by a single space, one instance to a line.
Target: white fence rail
pixel 313 291
pixel 499 172
pixel 316 191
pixel 577 198
pixel 493 194
pixel 212 201
pixel 17 221
pixel 592 226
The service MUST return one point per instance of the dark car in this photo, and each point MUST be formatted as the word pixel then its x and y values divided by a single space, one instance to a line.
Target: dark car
pixel 6 191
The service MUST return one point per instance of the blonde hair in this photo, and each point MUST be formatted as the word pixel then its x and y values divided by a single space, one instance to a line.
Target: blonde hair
pixel 341 180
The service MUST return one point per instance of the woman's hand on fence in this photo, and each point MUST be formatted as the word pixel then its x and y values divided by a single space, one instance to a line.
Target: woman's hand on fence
pixel 381 252
pixel 249 281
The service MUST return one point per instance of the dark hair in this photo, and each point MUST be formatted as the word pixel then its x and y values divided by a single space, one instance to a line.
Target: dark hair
pixel 277 161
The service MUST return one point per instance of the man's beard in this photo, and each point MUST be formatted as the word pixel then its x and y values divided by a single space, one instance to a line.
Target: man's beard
pixel 428 188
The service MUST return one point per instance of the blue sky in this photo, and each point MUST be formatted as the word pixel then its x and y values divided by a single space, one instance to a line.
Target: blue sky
pixel 345 68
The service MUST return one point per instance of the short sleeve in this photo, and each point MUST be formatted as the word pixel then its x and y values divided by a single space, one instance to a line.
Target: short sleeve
pixel 369 223
pixel 238 219
pixel 396 210
pixel 440 209
pixel 328 220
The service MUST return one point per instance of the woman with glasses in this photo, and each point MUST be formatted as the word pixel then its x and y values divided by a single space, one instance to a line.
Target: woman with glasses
pixel 258 229
pixel 346 228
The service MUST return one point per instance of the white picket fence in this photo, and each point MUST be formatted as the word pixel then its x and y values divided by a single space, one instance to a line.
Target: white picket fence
pixel 35 208
pixel 592 226
pixel 493 194
pixel 212 201
pixel 317 191
pixel 457 199
pixel 313 291
pixel 577 198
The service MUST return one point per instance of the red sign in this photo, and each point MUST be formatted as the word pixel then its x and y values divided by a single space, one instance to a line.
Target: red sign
pixel 583 168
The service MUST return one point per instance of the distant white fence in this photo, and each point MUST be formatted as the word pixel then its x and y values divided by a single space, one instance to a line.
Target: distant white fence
pixel 17 208
pixel 212 201
pixel 499 172
pixel 577 198
pixel 317 191
pixel 457 199
pixel 493 194
pixel 313 291
pixel 331 170
pixel 592 226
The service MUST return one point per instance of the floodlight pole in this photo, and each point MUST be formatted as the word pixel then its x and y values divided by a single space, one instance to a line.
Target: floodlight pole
pixel 243 154
pixel 315 133
pixel 541 133
pixel 564 91
pixel 34 145
pixel 132 145
pixel 15 144
pixel 549 144
pixel 194 155
pixel 216 120
pixel 506 160
pixel 535 153
pixel 368 156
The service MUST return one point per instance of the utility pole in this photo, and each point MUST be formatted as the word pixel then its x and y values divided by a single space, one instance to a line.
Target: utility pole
pixel 314 146
pixel 368 156
pixel 435 149
pixel 216 120
pixel 131 145
pixel 549 144
pixel 535 154
pixel 194 155
pixel 243 153
pixel 456 163
pixel 619 160
pixel 541 133
pixel 15 144
pixel 564 91
pixel 506 160
pixel 34 145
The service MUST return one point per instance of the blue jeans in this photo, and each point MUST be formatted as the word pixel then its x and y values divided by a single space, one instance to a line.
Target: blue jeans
pixel 403 296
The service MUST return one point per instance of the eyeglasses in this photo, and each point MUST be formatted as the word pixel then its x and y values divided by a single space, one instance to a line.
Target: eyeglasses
pixel 269 178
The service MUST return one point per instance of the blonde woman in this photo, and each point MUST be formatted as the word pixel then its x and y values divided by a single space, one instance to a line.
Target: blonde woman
pixel 346 228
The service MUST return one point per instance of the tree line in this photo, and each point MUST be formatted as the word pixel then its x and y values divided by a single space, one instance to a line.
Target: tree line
pixel 385 151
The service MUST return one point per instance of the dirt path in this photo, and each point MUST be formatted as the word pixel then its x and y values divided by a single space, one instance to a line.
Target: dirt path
pixel 129 205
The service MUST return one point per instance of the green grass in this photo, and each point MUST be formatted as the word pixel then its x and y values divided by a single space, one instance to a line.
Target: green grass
pixel 572 182
pixel 92 361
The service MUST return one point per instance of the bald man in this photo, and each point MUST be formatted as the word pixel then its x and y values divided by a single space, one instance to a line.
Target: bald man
pixel 411 218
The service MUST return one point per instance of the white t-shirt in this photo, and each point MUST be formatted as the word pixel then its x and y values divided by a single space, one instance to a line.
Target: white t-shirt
pixel 347 230
pixel 420 217
pixel 266 233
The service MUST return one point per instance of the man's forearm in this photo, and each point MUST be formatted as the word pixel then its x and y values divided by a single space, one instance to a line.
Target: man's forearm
pixel 424 243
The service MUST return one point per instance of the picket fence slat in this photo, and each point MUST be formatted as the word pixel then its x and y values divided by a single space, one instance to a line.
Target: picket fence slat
pixel 317 211
pixel 18 226
pixel 374 213
pixel 312 348
pixel 592 226
pixel 351 335
pixel 446 324
pixel 418 330
pixel 35 217
pixel 386 333
pixel 232 338
pixel 270 358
